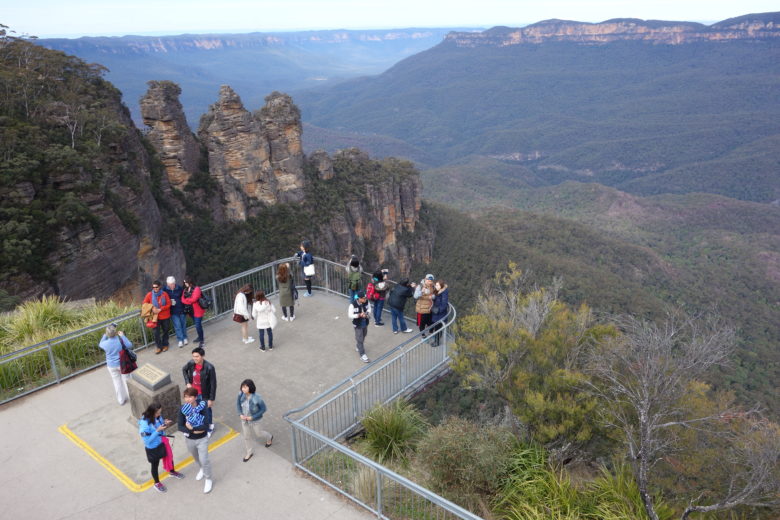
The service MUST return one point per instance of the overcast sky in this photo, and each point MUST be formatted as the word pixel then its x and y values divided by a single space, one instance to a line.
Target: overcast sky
pixel 73 18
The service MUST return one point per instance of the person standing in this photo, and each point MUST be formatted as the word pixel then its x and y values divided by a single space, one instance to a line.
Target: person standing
pixel 264 313
pixel 191 296
pixel 440 308
pixel 151 427
pixel 353 276
pixel 375 292
pixel 287 291
pixel 242 306
pixel 396 300
pixel 307 265
pixel 161 307
pixel 359 311
pixel 201 375
pixel 251 408
pixel 178 317
pixel 111 343
pixel 425 304
pixel 197 436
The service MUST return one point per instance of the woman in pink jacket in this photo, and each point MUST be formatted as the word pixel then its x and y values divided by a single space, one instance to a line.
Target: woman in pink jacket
pixel 190 297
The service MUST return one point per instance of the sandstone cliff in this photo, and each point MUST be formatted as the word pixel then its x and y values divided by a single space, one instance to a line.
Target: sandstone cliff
pixel 169 132
pixel 748 27
pixel 255 158
pixel 381 223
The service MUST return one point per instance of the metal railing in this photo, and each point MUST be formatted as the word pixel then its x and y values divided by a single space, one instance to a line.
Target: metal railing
pixel 320 426
pixel 52 361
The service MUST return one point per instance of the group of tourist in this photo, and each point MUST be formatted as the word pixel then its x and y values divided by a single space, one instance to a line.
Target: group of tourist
pixel 174 303
pixel 195 418
pixel 432 304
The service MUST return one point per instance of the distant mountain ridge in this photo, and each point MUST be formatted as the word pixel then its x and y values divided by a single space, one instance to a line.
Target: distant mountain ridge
pixel 751 26
pixel 253 64
pixel 204 42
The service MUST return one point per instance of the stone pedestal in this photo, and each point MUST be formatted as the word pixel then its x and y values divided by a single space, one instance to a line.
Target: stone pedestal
pixel 148 385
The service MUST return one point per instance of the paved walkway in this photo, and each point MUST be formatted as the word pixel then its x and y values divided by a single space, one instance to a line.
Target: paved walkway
pixel 46 475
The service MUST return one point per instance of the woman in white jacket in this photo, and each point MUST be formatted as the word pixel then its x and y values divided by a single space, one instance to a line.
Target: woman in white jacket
pixel 241 311
pixel 264 312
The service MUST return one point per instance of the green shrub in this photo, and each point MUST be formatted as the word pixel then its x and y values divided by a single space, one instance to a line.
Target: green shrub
pixel 392 431
pixel 466 462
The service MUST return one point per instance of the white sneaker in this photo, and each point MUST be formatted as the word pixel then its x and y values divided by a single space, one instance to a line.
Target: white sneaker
pixel 207 487
pixel 250 339
pixel 199 476
pixel 292 318
pixel 181 344
pixel 364 358
pixel 284 318
pixel 408 330
pixel 186 341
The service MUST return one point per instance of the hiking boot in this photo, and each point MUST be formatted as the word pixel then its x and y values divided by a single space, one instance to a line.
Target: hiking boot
pixel 165 348
pixel 160 487
pixel 158 350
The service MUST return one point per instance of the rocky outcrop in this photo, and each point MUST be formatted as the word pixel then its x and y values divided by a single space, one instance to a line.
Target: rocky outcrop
pixel 749 27
pixel 321 162
pixel 381 224
pixel 169 132
pixel 257 159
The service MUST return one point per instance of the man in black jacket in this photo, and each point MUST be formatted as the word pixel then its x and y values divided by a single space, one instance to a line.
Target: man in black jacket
pixel 201 375
pixel 396 301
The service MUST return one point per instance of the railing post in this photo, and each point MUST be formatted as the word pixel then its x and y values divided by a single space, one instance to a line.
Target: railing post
pixel 294 445
pixel 354 400
pixel 53 363
pixel 273 280
pixel 327 278
pixel 214 305
pixel 143 329
pixel 379 493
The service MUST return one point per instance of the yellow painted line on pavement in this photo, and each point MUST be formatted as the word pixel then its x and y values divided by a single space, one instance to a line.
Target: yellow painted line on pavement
pixel 124 479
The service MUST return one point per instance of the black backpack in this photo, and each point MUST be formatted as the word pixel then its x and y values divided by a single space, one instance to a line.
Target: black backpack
pixel 205 302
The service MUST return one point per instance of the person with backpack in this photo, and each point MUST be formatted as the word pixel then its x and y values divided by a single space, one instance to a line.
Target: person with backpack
pixel 375 292
pixel 353 276
pixel 192 297
pixel 161 307
pixel 424 304
pixel 397 301
pixel 359 312
pixel 112 343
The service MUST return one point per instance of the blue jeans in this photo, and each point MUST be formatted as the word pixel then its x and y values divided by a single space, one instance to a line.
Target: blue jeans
pixel 378 306
pixel 261 335
pixel 398 316
pixel 180 325
pixel 199 328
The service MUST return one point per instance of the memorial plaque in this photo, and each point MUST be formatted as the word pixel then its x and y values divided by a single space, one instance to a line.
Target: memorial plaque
pixel 151 377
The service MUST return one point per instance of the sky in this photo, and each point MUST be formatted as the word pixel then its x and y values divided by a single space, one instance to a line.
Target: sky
pixel 74 18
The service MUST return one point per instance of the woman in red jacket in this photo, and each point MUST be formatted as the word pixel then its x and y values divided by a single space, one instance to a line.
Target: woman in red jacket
pixel 190 297
pixel 161 305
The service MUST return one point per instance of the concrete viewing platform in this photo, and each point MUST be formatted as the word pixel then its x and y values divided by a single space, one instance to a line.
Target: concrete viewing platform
pixel 70 452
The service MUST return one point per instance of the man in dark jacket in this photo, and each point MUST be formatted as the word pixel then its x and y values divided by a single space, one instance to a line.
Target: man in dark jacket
pixel 201 375
pixel 397 301
pixel 178 317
